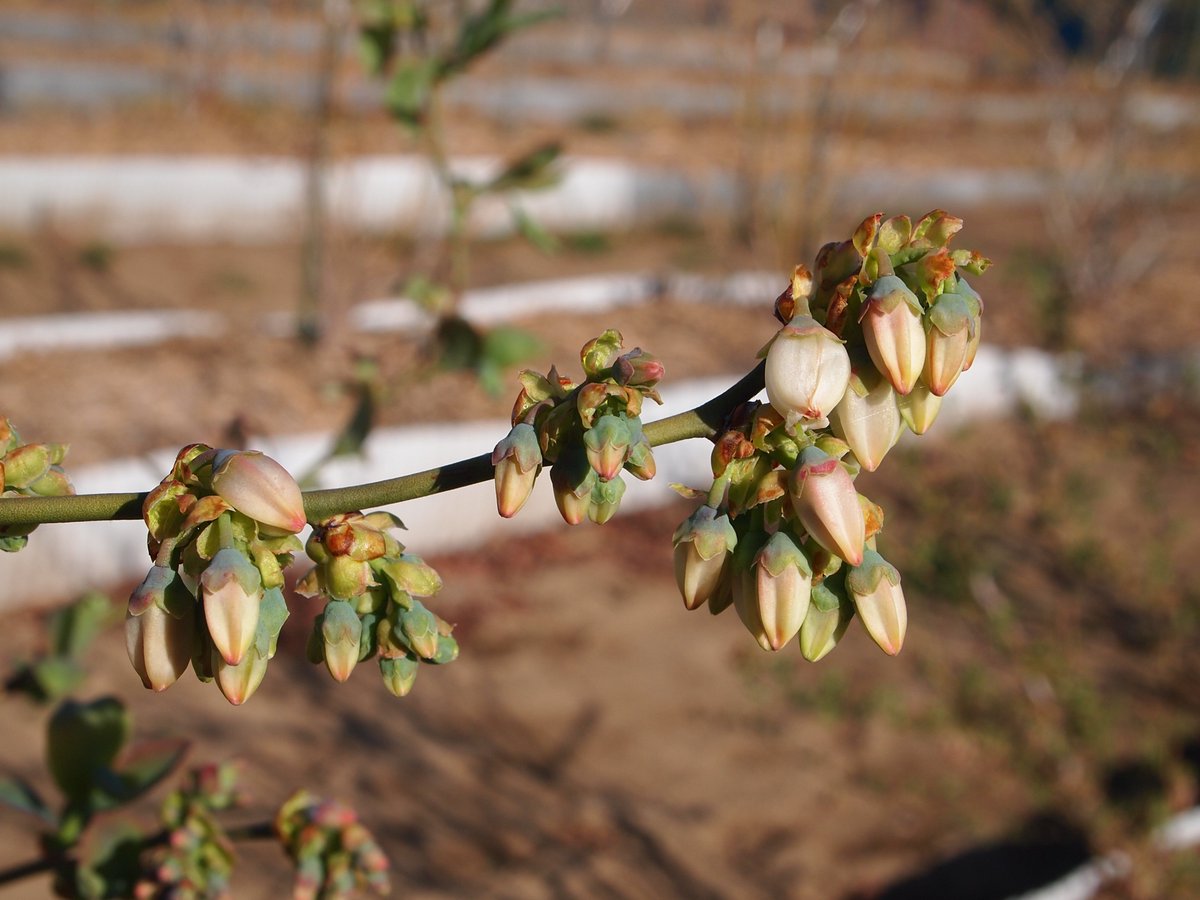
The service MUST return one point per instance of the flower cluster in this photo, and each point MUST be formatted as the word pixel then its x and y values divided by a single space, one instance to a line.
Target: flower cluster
pixel 333 852
pixel 198 858
pixel 28 470
pixel 222 528
pixel 587 433
pixel 870 344
pixel 372 590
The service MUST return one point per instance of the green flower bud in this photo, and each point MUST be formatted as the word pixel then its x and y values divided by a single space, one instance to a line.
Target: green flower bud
pixel 239 682
pixel 341 633
pixel 829 614
pixel 920 408
pixel 606 499
pixel 399 673
pixel 607 445
pixel 25 465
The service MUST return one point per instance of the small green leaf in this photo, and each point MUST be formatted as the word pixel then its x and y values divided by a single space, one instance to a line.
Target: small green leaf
pixel 410 91
pixel 72 629
pixel 83 740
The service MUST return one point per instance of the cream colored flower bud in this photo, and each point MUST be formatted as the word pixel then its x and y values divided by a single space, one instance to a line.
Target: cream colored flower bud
pixel 868 419
pixel 807 370
pixel 702 546
pixel 875 588
pixel 159 645
pixel 919 408
pixel 782 578
pixel 239 682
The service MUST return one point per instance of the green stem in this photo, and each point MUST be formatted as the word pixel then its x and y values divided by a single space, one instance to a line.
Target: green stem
pixel 702 422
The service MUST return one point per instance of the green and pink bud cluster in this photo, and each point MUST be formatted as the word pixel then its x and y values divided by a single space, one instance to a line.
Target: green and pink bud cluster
pixel 222 529
pixel 588 433
pixel 333 852
pixel 373 591
pixel 870 343
pixel 198 857
pixel 28 470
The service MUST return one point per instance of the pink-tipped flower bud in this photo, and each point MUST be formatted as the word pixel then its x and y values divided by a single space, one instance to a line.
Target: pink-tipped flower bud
pixel 807 370
pixel 573 480
pixel 703 543
pixel 950 329
pixel 893 332
pixel 341 634
pixel 829 614
pixel 399 673
pixel 517 460
pixel 637 368
pixel 239 682
pixel 875 587
pixel 231 588
pixel 607 444
pixel 826 503
pixel 782 577
pixel 257 486
pixel 868 419
pixel 159 645
pixel 920 408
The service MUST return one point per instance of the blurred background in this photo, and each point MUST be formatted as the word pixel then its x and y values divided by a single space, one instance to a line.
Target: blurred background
pixel 235 222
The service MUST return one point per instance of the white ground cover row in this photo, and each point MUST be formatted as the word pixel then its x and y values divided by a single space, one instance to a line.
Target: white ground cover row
pixel 154 198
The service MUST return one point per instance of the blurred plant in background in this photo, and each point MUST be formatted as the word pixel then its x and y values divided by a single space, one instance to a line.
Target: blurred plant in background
pixel 418 48
pixel 98 769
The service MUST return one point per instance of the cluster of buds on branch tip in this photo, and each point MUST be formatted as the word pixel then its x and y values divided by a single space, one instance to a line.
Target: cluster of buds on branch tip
pixel 588 433
pixel 335 855
pixel 871 342
pixel 373 592
pixel 28 470
pixel 222 529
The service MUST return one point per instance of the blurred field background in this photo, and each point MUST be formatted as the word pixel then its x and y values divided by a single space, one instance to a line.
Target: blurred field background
pixel 594 739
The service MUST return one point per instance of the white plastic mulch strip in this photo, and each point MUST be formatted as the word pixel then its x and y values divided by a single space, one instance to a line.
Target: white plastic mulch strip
pixel 155 198
pixel 102 330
